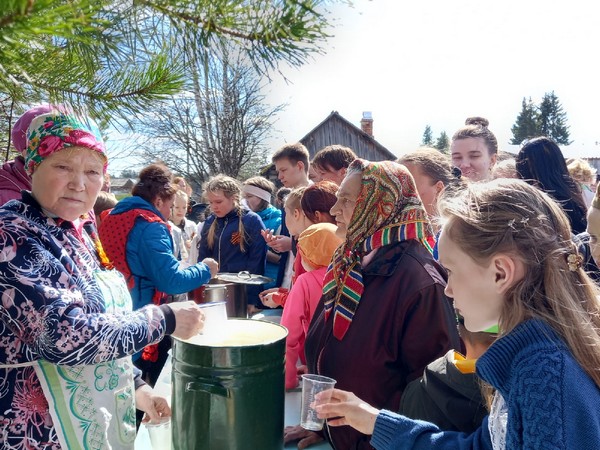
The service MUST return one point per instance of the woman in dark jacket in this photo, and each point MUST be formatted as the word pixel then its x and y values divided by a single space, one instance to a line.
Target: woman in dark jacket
pixel 383 315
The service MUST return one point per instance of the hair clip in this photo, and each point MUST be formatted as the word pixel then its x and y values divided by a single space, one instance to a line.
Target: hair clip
pixel 457 173
pixel 574 261
pixel 524 221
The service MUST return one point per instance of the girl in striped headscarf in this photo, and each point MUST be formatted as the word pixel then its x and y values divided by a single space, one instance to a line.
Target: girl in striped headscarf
pixel 384 315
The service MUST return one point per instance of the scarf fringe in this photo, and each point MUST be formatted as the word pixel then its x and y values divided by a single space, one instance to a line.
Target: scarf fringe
pixel 343 283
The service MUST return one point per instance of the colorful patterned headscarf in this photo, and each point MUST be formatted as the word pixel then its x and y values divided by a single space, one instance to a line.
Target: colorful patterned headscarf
pixel 388 209
pixel 49 133
pixel 19 131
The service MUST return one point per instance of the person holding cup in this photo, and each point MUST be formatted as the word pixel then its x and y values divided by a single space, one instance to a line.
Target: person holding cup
pixel 316 390
pixel 513 266
pixel 383 306
pixel 67 329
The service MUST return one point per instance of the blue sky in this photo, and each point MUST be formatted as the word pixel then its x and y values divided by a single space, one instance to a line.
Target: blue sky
pixel 438 62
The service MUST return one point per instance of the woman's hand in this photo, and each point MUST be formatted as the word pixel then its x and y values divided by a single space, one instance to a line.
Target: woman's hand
pixel 155 406
pixel 189 319
pixel 213 266
pixel 304 437
pixel 347 409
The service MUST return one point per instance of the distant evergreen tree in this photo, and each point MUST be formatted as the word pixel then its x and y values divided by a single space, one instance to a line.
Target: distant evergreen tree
pixel 442 143
pixel 526 125
pixel 553 119
pixel 129 173
pixel 548 119
pixel 427 137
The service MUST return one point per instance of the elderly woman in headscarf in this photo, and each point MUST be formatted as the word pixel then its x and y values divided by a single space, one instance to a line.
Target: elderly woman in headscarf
pixel 66 326
pixel 384 314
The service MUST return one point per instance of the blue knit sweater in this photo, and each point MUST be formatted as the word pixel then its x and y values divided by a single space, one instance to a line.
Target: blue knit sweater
pixel 552 403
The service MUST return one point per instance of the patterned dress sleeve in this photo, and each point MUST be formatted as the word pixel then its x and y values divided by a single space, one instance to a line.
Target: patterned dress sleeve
pixel 54 308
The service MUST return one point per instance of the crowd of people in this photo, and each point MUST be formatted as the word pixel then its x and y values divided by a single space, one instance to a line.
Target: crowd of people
pixel 455 299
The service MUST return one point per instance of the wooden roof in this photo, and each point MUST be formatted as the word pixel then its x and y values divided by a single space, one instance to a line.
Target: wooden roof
pixel 334 129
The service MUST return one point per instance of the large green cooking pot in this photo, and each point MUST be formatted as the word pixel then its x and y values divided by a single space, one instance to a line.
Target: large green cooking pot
pixel 229 388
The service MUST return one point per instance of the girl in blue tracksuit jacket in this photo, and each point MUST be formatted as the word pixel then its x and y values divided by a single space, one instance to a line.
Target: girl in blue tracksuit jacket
pixel 231 234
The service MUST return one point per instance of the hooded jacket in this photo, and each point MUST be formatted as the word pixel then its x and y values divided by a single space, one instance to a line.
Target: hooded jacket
pixel 271 218
pixel 13 180
pixel 149 253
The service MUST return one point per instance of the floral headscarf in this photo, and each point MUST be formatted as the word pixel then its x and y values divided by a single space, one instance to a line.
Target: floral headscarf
pixel 51 132
pixel 388 209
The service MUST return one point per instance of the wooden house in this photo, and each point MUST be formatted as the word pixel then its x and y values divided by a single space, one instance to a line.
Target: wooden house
pixel 337 130
pixel 122 185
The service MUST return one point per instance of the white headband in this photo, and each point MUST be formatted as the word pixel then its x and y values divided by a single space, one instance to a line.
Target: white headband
pixel 257 192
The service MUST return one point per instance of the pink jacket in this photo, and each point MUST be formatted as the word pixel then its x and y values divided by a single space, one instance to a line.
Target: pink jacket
pixel 13 179
pixel 297 314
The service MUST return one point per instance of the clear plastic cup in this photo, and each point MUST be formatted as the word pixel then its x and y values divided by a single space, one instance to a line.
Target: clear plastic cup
pixel 160 434
pixel 311 386
pixel 215 318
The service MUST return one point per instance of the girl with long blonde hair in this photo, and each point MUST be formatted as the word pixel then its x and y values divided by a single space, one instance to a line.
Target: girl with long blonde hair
pixel 231 234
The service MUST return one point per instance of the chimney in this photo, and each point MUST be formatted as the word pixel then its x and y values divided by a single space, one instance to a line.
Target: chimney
pixel 366 123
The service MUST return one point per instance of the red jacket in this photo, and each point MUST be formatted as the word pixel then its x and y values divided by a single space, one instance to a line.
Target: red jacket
pixel 403 322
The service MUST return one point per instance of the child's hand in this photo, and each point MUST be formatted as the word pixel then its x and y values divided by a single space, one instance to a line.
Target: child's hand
pixel 345 408
pixel 268 291
pixel 268 235
pixel 301 370
pixel 277 242
pixel 267 300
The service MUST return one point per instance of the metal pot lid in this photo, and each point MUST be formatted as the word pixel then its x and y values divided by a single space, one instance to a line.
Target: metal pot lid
pixel 215 286
pixel 243 277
